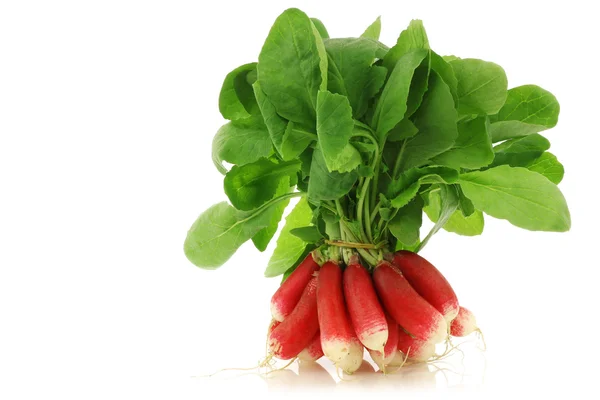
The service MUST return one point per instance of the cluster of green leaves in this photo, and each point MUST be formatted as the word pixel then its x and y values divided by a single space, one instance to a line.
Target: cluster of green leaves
pixel 370 138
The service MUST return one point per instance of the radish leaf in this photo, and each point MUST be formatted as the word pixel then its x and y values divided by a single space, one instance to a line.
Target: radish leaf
pixel 263 237
pixel 351 73
pixel 320 28
pixel 523 197
pixel 309 234
pixel 436 122
pixel 391 106
pixel 236 100
pixel 482 86
pixel 289 247
pixel 528 109
pixel 519 152
pixel 405 226
pixel 241 142
pixel 448 206
pixel 412 38
pixel 472 149
pixel 220 230
pixel 325 185
pixel 334 130
pixel 548 165
pixel 251 185
pixel 290 67
pixel 374 30
pixel 458 223
pixel 402 190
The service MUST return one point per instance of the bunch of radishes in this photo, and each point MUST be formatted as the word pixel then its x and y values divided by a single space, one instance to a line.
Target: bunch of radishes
pixel 398 311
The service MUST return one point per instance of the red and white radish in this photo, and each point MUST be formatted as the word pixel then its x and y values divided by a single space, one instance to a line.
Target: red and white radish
pixel 428 281
pixel 353 360
pixel 464 324
pixel 288 294
pixel 272 325
pixel 398 360
pixel 364 308
pixel 313 351
pixel 391 346
pixel 334 322
pixel 415 349
pixel 295 333
pixel 406 306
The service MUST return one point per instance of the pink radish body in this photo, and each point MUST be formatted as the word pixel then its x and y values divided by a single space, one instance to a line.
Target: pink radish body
pixel 313 351
pixel 334 322
pixel 287 296
pixel 417 350
pixel 295 333
pixel 405 305
pixel 365 311
pixel 464 324
pixel 391 346
pixel 428 281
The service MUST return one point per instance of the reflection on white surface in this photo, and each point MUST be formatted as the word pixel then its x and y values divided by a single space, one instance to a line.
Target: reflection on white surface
pixel 463 369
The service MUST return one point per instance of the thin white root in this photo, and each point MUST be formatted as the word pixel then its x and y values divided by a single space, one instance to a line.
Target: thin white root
pixel 482 338
pixel 264 363
pixel 271 370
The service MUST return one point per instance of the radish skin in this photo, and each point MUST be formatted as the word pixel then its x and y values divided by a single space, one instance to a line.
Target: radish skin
pixel 313 351
pixel 295 333
pixel 288 294
pixel 334 322
pixel 417 350
pixel 398 360
pixel 364 308
pixel 464 324
pixel 391 346
pixel 429 282
pixel 406 306
pixel 272 325
pixel 353 360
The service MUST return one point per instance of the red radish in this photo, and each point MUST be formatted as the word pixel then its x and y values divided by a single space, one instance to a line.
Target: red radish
pixel 428 281
pixel 417 350
pixel 287 296
pixel 378 359
pixel 464 324
pixel 334 322
pixel 272 325
pixel 398 360
pixel 353 360
pixel 364 308
pixel 297 330
pixel 405 305
pixel 313 351
pixel 390 347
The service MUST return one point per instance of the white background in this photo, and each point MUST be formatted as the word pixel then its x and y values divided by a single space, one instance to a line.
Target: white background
pixel 107 112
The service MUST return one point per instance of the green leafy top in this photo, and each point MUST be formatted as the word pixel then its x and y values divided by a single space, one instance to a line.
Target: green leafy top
pixel 370 138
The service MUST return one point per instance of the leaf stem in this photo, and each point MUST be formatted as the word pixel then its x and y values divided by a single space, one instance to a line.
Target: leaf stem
pixel 342 216
pixel 376 179
pixel 375 211
pixel 370 137
pixel 363 252
pixel 398 160
pixel 277 200
pixel 359 208
pixel 368 219
pixel 355 245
